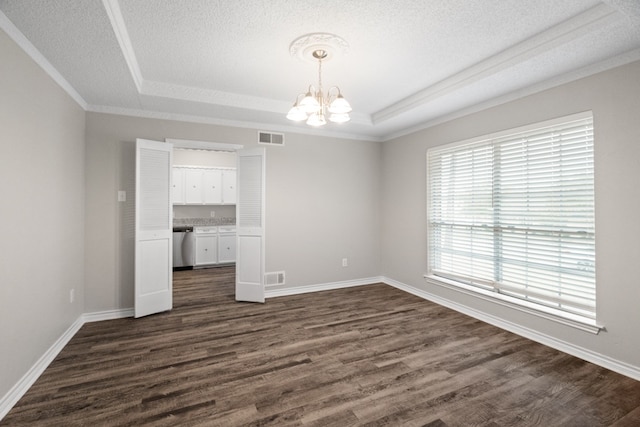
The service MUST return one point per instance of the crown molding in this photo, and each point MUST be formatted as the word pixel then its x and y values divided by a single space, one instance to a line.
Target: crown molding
pixel 16 35
pixel 601 15
pixel 203 95
pixel 112 7
pixel 161 115
pixel 610 63
pixel 571 29
pixel 214 97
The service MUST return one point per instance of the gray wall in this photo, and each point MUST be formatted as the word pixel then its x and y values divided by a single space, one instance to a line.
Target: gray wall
pixel 614 98
pixel 322 204
pixel 42 215
pixel 62 227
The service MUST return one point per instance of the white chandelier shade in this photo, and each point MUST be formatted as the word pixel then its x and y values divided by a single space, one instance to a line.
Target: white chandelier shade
pixel 313 106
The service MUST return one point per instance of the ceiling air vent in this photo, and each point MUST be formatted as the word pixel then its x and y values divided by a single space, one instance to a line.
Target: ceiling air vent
pixel 270 138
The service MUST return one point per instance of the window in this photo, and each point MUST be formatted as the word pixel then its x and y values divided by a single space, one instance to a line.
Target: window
pixel 512 215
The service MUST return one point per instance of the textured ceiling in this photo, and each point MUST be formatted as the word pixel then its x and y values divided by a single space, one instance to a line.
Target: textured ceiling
pixel 410 63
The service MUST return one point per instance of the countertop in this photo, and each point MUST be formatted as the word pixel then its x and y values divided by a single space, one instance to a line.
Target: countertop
pixel 193 222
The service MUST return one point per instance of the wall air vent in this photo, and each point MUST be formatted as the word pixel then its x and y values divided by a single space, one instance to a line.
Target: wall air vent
pixel 274 278
pixel 270 138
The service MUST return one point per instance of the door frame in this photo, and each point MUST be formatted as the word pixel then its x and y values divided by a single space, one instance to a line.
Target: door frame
pixel 210 145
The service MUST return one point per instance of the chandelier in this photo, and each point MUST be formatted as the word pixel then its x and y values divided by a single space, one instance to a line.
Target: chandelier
pixel 316 106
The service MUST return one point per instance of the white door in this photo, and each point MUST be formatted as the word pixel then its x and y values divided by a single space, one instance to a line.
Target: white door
pixel 250 225
pixel 154 226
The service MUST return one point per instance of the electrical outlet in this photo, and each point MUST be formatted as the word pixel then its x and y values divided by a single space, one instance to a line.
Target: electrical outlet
pixel 122 196
pixel 213 214
pixel 72 296
pixel 345 262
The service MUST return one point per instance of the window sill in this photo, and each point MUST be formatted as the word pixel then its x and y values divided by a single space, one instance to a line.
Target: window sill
pixel 568 319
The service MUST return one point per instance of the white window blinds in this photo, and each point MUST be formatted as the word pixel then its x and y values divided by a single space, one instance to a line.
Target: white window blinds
pixel 514 214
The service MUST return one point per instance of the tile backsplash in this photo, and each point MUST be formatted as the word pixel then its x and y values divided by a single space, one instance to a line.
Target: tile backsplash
pixel 204 221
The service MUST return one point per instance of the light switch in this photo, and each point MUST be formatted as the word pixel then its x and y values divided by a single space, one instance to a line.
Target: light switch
pixel 122 196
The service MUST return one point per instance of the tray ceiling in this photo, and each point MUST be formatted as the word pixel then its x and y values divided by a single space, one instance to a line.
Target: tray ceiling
pixel 410 63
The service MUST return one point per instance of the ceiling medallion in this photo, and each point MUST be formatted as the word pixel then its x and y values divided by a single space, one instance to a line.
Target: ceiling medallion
pixel 304 46
pixel 313 106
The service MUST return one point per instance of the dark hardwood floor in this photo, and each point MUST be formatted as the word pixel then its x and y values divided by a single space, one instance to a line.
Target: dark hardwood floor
pixel 370 355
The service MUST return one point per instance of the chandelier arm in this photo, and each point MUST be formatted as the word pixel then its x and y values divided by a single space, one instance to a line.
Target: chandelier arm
pixel 315 105
pixel 331 97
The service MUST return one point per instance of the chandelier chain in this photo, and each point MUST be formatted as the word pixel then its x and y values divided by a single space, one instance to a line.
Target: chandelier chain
pixel 320 74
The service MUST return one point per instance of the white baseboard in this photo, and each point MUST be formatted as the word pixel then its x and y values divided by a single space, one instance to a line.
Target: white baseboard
pixel 273 293
pixel 21 387
pixel 107 315
pixel 574 350
pixel 27 380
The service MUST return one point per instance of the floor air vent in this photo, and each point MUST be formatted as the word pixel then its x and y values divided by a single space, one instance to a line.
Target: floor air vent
pixel 275 278
pixel 270 138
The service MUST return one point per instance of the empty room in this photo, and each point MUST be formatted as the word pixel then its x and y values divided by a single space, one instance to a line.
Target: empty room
pixel 417 213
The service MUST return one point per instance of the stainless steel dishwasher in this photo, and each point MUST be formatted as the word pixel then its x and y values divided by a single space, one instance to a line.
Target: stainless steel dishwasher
pixel 184 245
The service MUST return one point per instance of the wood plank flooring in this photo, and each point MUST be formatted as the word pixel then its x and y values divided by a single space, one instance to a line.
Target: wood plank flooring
pixel 369 355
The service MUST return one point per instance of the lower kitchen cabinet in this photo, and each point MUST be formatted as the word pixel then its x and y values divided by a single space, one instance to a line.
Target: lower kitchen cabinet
pixel 227 247
pixel 215 245
pixel 206 249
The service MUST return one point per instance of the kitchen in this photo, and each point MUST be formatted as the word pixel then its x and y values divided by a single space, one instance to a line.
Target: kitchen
pixel 204 208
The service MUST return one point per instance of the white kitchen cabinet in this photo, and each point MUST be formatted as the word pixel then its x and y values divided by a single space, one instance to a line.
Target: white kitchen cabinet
pixel 229 189
pixel 193 186
pixel 226 244
pixel 211 186
pixel 177 186
pixel 196 185
pixel 206 245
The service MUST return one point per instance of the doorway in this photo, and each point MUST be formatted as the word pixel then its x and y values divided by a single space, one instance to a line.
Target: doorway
pixel 214 212
pixel 204 209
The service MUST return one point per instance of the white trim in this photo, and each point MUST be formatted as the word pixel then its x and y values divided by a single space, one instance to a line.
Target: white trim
pixel 516 132
pixel 99 316
pixel 566 78
pixel 567 319
pixel 191 118
pixel 607 362
pixel 567 31
pixel 16 392
pixel 22 386
pixel 274 293
pixel 16 35
pixel 112 7
pixel 203 145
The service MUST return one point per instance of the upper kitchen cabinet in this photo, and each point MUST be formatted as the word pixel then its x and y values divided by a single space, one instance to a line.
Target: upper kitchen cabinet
pixel 193 193
pixel 229 189
pixel 212 186
pixel 203 186
pixel 177 186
